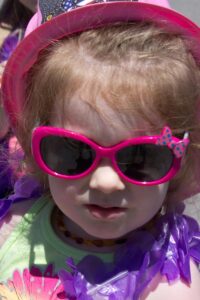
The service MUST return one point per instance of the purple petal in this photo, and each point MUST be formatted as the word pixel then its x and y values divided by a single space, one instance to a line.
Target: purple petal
pixel 25 188
pixel 68 283
pixel 4 207
pixel 170 270
pixel 8 46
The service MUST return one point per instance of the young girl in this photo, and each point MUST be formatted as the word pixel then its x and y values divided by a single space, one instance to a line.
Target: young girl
pixel 104 100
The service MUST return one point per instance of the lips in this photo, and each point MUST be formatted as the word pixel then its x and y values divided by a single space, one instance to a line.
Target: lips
pixel 109 213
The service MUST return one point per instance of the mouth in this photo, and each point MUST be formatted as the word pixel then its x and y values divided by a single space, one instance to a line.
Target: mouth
pixel 106 213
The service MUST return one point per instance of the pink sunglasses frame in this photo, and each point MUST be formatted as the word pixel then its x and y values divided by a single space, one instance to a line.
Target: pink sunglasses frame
pixel 40 132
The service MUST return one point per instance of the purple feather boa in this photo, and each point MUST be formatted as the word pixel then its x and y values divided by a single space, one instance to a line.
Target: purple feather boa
pixel 25 188
pixel 9 44
pixel 168 251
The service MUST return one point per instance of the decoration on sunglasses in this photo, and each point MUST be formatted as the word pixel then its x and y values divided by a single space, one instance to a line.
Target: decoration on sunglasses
pixel 166 139
pixel 53 8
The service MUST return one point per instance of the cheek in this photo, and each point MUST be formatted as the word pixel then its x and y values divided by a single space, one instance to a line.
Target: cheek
pixel 146 203
pixel 153 197
pixel 61 191
pixel 162 192
pixel 64 194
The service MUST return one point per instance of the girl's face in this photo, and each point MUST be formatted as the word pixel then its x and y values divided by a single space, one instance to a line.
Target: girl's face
pixel 102 204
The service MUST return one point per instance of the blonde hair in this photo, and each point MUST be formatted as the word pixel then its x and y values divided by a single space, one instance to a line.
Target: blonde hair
pixel 139 69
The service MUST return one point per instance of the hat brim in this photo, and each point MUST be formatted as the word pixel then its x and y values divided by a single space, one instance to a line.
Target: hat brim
pixel 78 20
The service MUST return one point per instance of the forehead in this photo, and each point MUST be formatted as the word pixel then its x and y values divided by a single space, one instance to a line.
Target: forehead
pixel 102 124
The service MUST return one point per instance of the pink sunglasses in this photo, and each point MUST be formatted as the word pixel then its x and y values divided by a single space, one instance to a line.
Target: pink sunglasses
pixel 146 160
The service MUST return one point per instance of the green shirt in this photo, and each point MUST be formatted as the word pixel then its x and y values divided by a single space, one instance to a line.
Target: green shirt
pixel 34 242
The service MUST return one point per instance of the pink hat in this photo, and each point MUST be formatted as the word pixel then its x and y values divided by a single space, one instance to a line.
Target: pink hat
pixel 56 19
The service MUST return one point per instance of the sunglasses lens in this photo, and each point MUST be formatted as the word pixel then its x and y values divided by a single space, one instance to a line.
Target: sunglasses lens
pixel 146 162
pixel 66 156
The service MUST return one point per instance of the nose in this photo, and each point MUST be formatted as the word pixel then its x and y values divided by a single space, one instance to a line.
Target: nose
pixel 105 179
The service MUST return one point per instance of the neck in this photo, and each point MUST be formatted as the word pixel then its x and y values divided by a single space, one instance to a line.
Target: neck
pixel 73 234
